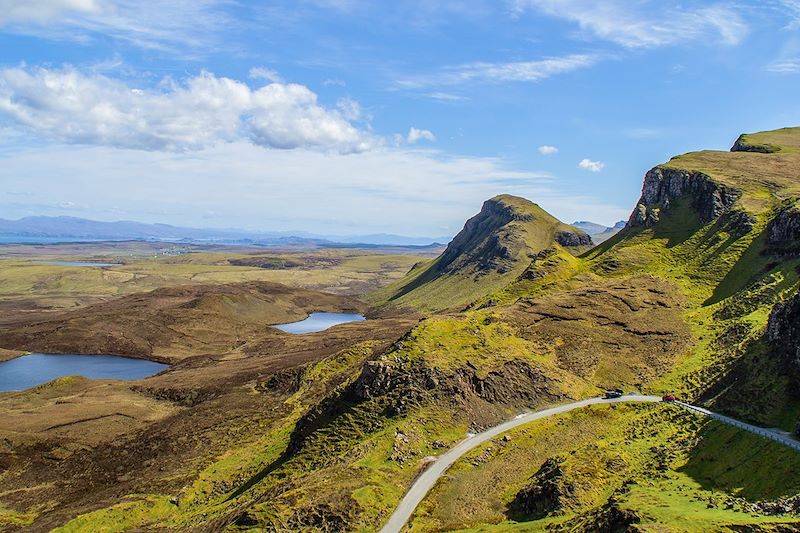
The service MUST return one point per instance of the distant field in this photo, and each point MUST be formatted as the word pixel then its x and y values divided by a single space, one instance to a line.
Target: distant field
pixel 28 283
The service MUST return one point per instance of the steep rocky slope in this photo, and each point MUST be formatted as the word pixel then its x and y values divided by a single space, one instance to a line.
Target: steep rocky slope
pixel 494 248
pixel 783 334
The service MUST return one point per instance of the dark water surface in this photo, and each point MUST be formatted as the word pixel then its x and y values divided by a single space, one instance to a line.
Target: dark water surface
pixel 34 369
pixel 319 322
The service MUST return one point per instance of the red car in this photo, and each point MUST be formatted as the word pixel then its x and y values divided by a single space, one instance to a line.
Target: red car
pixel 668 398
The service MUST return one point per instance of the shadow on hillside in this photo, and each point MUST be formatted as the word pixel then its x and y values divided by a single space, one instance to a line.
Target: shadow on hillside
pixel 749 466
pixel 751 265
pixel 260 476
pixel 429 274
pixel 678 224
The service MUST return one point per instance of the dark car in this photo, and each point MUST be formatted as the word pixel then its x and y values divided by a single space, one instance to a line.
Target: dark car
pixel 615 393
pixel 668 398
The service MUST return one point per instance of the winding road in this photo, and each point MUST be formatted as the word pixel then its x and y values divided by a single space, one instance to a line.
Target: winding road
pixel 429 477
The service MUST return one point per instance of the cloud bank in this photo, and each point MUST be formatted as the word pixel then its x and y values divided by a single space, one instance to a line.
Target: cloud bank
pixel 69 106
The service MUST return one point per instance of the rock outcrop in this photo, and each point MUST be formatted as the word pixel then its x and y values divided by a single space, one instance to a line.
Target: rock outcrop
pixel 783 334
pixel 482 244
pixel 783 231
pixel 742 145
pixel 612 518
pixel 393 385
pixel 548 491
pixel 664 185
pixel 573 238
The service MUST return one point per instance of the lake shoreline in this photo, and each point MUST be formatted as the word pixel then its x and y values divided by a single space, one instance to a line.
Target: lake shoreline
pixel 319 321
pixel 31 370
pixel 8 355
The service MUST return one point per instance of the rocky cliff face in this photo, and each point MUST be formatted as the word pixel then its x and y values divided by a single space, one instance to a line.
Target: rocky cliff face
pixel 483 243
pixel 494 238
pixel 663 186
pixel 493 249
pixel 573 238
pixel 783 231
pixel 783 334
pixel 742 145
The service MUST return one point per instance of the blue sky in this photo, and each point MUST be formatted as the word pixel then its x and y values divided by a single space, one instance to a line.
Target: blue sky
pixel 351 116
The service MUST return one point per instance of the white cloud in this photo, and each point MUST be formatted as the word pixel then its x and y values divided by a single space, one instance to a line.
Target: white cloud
pixel 591 166
pixel 784 66
pixel 646 23
pixel 501 72
pixel 350 109
pixel 415 135
pixel 203 110
pixel 266 74
pixel 156 24
pixel 548 150
pixel 445 97
pixel 40 11
pixel 407 191
pixel 792 8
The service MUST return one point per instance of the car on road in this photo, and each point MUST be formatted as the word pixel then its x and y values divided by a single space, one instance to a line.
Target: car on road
pixel 668 398
pixel 613 393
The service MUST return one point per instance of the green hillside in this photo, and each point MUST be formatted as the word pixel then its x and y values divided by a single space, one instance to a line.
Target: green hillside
pixel 679 301
pixel 495 247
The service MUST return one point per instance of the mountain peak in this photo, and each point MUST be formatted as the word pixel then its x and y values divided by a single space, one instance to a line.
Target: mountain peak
pixel 493 249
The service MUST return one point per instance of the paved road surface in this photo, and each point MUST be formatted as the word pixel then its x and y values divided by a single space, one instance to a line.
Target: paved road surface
pixel 777 436
pixel 428 479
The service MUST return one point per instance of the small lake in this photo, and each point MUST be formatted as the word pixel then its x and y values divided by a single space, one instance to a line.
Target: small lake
pixel 319 322
pixel 81 264
pixel 34 369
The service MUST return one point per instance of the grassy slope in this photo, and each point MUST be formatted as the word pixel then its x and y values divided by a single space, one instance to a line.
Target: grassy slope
pixel 428 289
pixel 675 459
pixel 730 284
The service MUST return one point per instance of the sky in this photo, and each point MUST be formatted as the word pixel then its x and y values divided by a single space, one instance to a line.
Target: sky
pixel 363 116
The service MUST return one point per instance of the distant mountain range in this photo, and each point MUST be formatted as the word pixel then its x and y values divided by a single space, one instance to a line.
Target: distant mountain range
pixel 599 232
pixel 72 229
